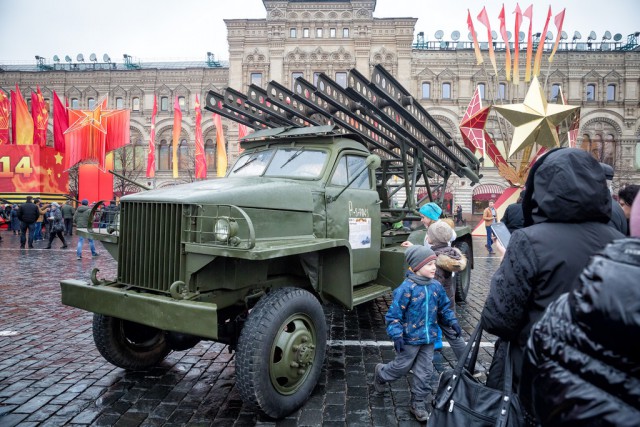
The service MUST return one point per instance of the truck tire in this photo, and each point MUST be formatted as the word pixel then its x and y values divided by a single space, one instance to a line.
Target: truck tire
pixel 127 344
pixel 281 351
pixel 463 278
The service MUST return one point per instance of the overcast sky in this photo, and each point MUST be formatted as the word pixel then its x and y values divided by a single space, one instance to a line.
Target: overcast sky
pixel 188 29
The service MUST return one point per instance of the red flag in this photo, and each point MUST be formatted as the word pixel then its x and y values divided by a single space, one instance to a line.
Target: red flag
pixel 151 156
pixel 60 123
pixel 221 147
pixel 558 20
pixel 516 51
pixel 243 131
pixel 505 38
pixel 484 19
pixel 14 111
pixel 24 122
pixel 476 47
pixel 40 117
pixel 201 161
pixel 4 118
pixel 94 133
pixel 528 13
pixel 177 129
pixel 543 37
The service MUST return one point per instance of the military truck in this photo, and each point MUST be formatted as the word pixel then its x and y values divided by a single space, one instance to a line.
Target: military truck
pixel 303 217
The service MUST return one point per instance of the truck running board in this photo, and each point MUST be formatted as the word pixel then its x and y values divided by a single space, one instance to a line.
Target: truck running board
pixel 368 292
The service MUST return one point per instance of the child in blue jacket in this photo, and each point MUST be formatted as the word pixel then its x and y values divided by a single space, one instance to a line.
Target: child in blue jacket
pixel 419 304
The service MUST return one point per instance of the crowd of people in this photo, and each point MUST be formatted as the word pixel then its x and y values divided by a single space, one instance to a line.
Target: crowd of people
pixel 565 299
pixel 36 221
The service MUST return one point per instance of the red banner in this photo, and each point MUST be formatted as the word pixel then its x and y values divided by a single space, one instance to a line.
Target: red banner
pixel 558 20
pixel 201 161
pixel 243 131
pixel 151 155
pixel 528 13
pixel 543 37
pixel 4 118
pixel 507 53
pixel 60 123
pixel 95 184
pixel 221 147
pixel 474 36
pixel 177 129
pixel 484 19
pixel 40 117
pixel 24 122
pixel 516 51
pixel 32 169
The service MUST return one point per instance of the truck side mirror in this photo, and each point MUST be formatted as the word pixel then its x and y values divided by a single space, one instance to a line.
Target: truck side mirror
pixel 373 161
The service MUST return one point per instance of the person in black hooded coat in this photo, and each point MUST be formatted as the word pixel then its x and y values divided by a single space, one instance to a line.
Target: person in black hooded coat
pixel 581 364
pixel 566 210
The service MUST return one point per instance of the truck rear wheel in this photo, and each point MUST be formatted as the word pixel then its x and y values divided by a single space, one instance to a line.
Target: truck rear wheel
pixel 463 278
pixel 281 351
pixel 128 345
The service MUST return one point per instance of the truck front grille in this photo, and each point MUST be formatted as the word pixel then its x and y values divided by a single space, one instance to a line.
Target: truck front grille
pixel 150 244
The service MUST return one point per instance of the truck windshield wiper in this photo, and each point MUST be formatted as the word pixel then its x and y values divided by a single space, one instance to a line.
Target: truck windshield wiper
pixel 293 156
pixel 251 160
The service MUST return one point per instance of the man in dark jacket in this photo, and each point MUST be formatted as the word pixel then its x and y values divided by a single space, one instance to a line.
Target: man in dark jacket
pixel 582 358
pixel 67 215
pixel 566 210
pixel 28 214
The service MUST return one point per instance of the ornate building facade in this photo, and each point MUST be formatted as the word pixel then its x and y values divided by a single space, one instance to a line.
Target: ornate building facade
pixel 305 38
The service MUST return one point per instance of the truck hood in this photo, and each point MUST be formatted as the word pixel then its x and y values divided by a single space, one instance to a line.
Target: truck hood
pixel 255 192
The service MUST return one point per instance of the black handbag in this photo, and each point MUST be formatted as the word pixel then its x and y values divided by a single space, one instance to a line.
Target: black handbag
pixel 463 401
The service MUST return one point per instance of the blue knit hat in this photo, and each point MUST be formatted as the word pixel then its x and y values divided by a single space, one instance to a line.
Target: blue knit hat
pixel 431 211
pixel 85 202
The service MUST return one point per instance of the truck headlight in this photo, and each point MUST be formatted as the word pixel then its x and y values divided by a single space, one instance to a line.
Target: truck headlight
pixel 225 229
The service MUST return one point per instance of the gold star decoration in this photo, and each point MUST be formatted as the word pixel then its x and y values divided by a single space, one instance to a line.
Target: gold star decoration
pixel 58 158
pixel 534 120
pixel 49 171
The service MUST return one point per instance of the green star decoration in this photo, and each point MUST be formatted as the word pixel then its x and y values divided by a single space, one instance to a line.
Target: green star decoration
pixel 535 121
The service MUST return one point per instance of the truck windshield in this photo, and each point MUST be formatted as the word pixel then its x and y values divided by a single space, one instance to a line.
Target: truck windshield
pixel 290 162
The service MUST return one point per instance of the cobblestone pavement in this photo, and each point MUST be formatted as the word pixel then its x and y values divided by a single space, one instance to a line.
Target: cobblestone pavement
pixel 51 373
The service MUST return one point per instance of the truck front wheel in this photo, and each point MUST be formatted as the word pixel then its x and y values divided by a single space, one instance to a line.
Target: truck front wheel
pixel 128 345
pixel 463 278
pixel 281 351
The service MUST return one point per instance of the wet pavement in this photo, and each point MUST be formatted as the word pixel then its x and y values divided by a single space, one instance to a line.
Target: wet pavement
pixel 51 373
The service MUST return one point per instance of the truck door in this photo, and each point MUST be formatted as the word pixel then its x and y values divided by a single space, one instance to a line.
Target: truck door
pixel 355 215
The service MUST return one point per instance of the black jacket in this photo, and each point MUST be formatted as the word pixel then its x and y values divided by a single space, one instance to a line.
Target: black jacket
pixel 618 220
pixel 568 204
pixel 28 213
pixel 582 359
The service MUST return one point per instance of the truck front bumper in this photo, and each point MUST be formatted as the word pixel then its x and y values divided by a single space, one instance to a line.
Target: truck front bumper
pixel 158 311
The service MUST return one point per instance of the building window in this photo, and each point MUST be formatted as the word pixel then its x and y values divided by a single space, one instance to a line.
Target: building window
pixel 480 89
pixel 502 91
pixel 164 103
pixel 210 154
pixel 332 33
pixel 92 103
pixel 426 90
pixel 318 33
pixel 341 79
pixel 591 92
pixel 256 79
pixel 611 92
pixel 446 90
pixel 315 79
pixel 293 33
pixel 555 92
pixel 345 32
pixel 74 103
pixel 135 104
pixel 119 103
pixel 181 102
pixel 305 33
pixel 163 155
pixel 294 76
pixel 183 156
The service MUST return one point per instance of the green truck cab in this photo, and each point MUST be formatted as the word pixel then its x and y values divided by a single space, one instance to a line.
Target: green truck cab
pixel 303 217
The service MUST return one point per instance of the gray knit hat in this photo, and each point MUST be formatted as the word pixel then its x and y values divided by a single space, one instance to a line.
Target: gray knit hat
pixel 55 205
pixel 439 233
pixel 418 256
